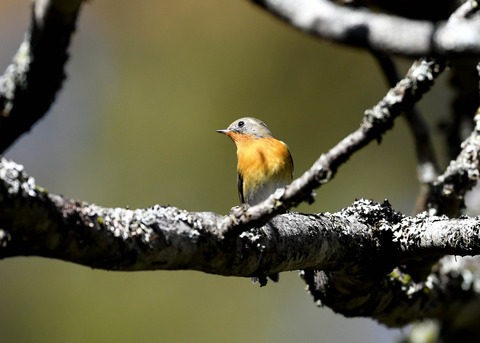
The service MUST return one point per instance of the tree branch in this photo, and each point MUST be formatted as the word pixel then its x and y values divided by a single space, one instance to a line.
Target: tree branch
pixel 448 191
pixel 357 247
pixel 38 223
pixel 384 297
pixel 380 32
pixel 396 300
pixel 30 83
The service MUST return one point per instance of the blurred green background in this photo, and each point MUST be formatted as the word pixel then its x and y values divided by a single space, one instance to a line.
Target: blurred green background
pixel 148 84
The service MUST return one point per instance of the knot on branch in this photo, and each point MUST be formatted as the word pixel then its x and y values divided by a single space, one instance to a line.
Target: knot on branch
pixel 372 213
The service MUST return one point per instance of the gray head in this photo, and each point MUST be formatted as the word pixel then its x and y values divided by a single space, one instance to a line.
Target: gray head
pixel 247 126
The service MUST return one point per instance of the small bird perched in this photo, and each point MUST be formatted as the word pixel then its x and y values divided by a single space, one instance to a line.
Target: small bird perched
pixel 264 164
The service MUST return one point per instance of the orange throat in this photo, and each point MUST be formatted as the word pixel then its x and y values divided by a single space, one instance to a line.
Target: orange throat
pixel 264 164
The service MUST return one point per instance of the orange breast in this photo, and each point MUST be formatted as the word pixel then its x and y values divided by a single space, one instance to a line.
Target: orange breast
pixel 264 164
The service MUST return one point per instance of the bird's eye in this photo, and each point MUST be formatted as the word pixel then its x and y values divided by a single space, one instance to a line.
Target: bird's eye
pixel 241 123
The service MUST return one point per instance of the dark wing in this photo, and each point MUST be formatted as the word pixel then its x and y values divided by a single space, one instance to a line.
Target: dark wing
pixel 291 160
pixel 240 188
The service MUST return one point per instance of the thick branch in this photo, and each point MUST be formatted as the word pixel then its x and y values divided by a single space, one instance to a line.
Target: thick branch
pixel 379 32
pixel 395 300
pixel 357 247
pixel 38 223
pixel 30 83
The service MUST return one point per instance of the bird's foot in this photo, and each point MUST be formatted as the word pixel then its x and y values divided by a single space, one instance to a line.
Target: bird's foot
pixel 238 211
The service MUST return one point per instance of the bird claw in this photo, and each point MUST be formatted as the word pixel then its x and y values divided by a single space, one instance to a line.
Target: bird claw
pixel 238 211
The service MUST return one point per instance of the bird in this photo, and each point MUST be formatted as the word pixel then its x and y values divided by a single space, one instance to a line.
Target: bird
pixel 264 164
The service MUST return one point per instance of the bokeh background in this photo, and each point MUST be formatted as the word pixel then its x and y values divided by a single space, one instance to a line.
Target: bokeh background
pixel 148 84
